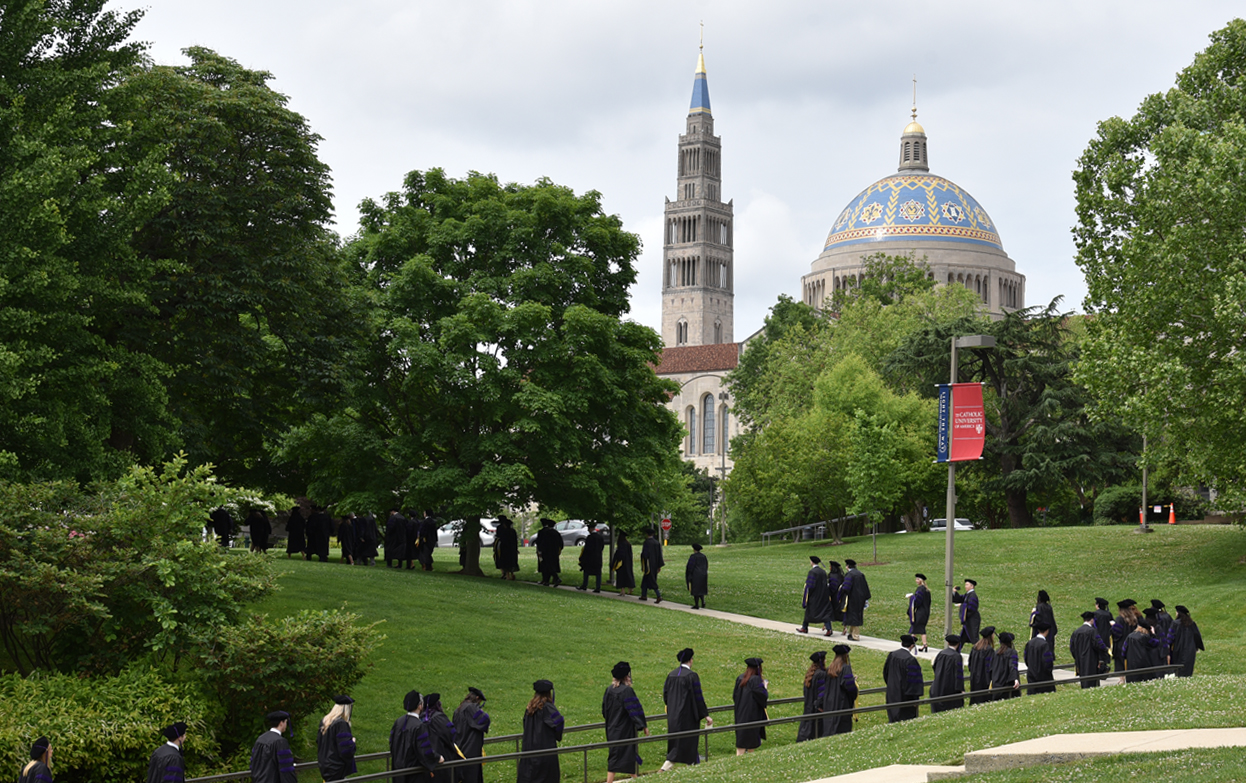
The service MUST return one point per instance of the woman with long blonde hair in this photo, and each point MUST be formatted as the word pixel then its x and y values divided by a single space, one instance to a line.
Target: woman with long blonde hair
pixel 841 691
pixel 750 698
pixel 542 729
pixel 335 742
pixel 981 659
pixel 815 697
pixel 38 769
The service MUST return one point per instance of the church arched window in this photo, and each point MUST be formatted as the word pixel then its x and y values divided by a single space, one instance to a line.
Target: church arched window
pixel 718 332
pixel 692 430
pixel 708 425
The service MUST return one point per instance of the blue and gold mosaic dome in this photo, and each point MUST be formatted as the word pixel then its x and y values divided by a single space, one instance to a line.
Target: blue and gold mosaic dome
pixel 913 205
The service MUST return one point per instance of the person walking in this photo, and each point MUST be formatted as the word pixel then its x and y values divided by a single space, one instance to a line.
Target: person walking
pixel 854 594
pixel 835 580
pixel 1124 624
pixel 365 540
pixel 1142 652
pixel 506 548
pixel 981 663
pixel 395 539
pixel 441 736
pixel 590 557
pixel 816 600
pixel 346 538
pixel 815 698
pixel 651 563
pixel 1039 660
pixel 548 549
pixel 409 743
pixel 542 730
pixel 919 609
pixel 39 768
pixel 335 742
pixel 271 758
pixel 1043 613
pixel 1005 675
pixel 319 529
pixel 624 718
pixel 949 676
pixel 1103 622
pixel 1186 642
pixel 697 576
pixel 296 533
pixel 166 764
pixel 1090 653
pixel 260 529
pixel 222 525
pixel 471 724
pixel 970 619
pixel 685 709
pixel 841 691
pixel 750 697
pixel 428 539
pixel 621 566
pixel 902 674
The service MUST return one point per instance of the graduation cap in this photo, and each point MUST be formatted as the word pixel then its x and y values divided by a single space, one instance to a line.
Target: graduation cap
pixel 343 699
pixel 851 563
pixel 973 582
pixel 753 663
pixel 433 701
pixel 841 649
pixel 920 576
pixel 1181 609
pixel 173 731
pixel 1088 615
pixel 621 670
pixel 277 716
pixel 1145 623
pixel 543 686
pixel 908 640
pixel 39 748
pixel 1043 598
pixel 987 631
pixel 815 559
pixel 1124 604
pixel 1006 638
pixel 832 563
pixel 684 655
pixel 952 638
pixel 1156 603
pixel 1130 602
pixel 1150 612
pixel 696 547
pixel 1042 626
pixel 412 701
pixel 818 657
pixel 547 522
pixel 1102 603
pixel 477 693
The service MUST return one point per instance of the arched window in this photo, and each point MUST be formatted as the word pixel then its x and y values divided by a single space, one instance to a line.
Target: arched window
pixel 707 434
pixel 718 332
pixel 692 431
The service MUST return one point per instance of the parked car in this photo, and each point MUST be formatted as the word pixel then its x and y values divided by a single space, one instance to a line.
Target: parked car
pixel 940 525
pixel 575 531
pixel 448 534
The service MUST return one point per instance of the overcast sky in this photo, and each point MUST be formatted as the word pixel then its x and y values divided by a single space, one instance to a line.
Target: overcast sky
pixel 808 98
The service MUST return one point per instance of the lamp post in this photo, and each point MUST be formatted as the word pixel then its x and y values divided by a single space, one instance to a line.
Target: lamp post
pixel 967 341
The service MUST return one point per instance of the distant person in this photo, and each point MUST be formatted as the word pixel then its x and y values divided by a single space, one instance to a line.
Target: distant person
pixel 319 530
pixel 1090 653
pixel 697 576
pixel 548 549
pixel 1124 624
pixel 621 566
pixel 506 548
pixel 854 594
pixel 365 540
pixel 1103 622
pixel 222 525
pixel 409 744
pixel 1039 661
pixel 271 758
pixel 685 709
pixel 395 539
pixel 261 529
pixel 39 768
pixel 440 736
pixel 841 691
pixel 816 599
pixel 651 563
pixel 1162 624
pixel 815 698
pixel 415 539
pixel 834 580
pixel 335 741
pixel 296 533
pixel 970 619
pixel 1043 613
pixel 471 724
pixel 750 697
pixel 346 538
pixel 624 717
pixel 590 557
pixel 919 609
pixel 902 674
pixel 166 764
pixel 949 676
pixel 981 664
pixel 542 729
pixel 1005 674
pixel 428 539
pixel 1186 642
pixel 1141 652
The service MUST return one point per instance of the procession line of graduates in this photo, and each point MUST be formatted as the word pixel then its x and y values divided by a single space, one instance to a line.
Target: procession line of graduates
pixel 835 596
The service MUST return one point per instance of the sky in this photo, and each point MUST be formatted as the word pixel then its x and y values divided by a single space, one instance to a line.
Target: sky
pixel 809 99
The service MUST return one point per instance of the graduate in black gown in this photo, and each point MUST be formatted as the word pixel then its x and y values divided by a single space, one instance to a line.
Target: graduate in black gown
pixel 835 580
pixel 1163 628
pixel 542 728
pixel 841 691
pixel 409 743
pixel 1186 642
pixel 697 576
pixel 335 741
pixel 414 538
pixel 981 661
pixel 1103 623
pixel 506 548
pixel 261 529
pixel 621 566
pixel 750 697
pixel 1043 613
pixel 902 673
pixel 428 539
pixel 970 617
pixel 590 558
pixel 624 717
pixel 1039 661
pixel 319 530
pixel 296 533
pixel 816 600
pixel 548 544
pixel 949 675
pixel 685 709
pixel 854 593
pixel 272 761
pixel 1090 653
pixel 471 724
pixel 395 539
pixel 1005 674
pixel 815 698
pixel 346 538
pixel 38 769
pixel 365 540
pixel 1124 624
pixel 1141 652
pixel 441 736
pixel 651 563
pixel 166 764
pixel 222 525
pixel 919 609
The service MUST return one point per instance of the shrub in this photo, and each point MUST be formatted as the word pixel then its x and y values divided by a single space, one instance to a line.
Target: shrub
pixel 1118 505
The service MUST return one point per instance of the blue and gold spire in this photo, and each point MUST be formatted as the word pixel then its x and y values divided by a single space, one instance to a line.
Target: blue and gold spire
pixel 700 87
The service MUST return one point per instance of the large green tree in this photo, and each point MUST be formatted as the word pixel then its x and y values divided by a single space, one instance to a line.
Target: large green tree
pixel 1160 237
pixel 499 370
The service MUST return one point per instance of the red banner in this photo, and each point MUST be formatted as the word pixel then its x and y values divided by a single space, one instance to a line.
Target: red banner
pixel 968 422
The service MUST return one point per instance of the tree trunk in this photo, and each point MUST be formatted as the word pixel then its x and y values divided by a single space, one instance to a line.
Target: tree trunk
pixel 1018 511
pixel 469 542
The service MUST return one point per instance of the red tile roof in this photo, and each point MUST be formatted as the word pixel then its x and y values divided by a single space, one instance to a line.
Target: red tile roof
pixel 699 358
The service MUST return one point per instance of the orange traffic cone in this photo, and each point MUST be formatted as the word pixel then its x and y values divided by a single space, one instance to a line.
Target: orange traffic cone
pixel 1142 517
pixel 1172 513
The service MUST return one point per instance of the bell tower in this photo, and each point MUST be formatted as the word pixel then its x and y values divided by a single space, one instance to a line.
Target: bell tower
pixel 697 257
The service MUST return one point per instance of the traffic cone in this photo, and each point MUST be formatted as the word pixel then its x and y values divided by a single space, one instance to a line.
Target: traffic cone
pixel 1172 513
pixel 1142 516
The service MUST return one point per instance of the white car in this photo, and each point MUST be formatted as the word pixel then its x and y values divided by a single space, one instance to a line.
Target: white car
pixel 940 525
pixel 448 534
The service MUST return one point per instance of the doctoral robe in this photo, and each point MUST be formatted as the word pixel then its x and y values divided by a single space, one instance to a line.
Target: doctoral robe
pixel 346 538
pixel 815 703
pixel 541 730
pixel 816 600
pixel 835 580
pixel 853 595
pixel 902 674
pixel 35 772
pixel 841 694
pixel 365 538
pixel 411 748
pixel 272 760
pixel 919 610
pixel 319 528
pixel 471 724
pixel 1103 626
pixel 1141 652
pixel 413 538
pixel 685 709
pixel 981 663
pixel 697 574
pixel 1186 642
pixel 222 525
pixel 750 700
pixel 1120 631
pixel 1004 673
pixel 624 718
pixel 395 539
pixel 621 564
pixel 166 765
pixel 296 533
pixel 1090 654
pixel 970 619
pixel 1039 663
pixel 506 549
pixel 441 736
pixel 428 541
pixel 1043 613
pixel 651 563
pixel 1163 632
pixel 335 750
pixel 548 548
pixel 261 529
pixel 949 678
pixel 590 554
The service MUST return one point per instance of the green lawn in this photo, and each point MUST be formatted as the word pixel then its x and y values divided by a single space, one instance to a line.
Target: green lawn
pixel 1202 765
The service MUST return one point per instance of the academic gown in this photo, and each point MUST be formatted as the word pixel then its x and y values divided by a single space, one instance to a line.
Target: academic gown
pixel 222 525
pixel 750 700
pixel 816 600
pixel 395 539
pixel 949 678
pixel 1141 652
pixel 853 594
pixel 1043 613
pixel 1120 631
pixel 1163 633
pixel 981 663
pixel 841 694
pixel 37 772
pixel 697 574
pixel 428 540
pixel 542 729
pixel 902 674
pixel 651 563
pixel 624 575
pixel 548 548
pixel 1090 654
pixel 1186 641
pixel 272 760
pixel 346 538
pixel 260 529
pixel 506 545
pixel 441 736
pixel 166 765
pixel 919 610
pixel 685 709
pixel 296 534
pixel 970 619
pixel 1039 663
pixel 590 554
pixel 471 724
pixel 335 750
pixel 365 537
pixel 625 718
pixel 815 702
pixel 410 746
pixel 833 582
pixel 1103 626
pixel 319 528
pixel 413 539
pixel 1004 673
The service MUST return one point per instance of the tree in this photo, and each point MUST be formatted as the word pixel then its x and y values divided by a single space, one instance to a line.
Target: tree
pixel 499 370
pixel 1159 237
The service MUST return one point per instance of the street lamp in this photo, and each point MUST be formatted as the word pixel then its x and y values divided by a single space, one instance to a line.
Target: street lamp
pixel 967 341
